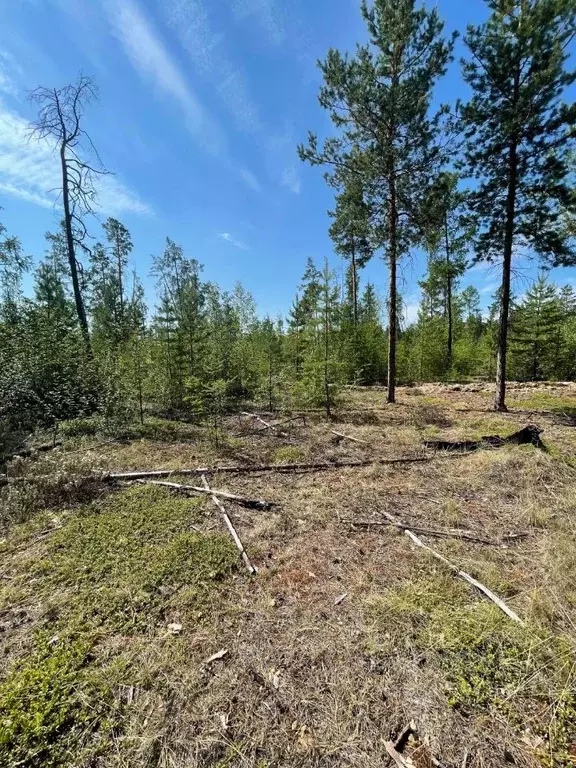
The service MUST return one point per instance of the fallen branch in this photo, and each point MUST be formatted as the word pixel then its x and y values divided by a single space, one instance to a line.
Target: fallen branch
pixel 246 560
pixel 348 437
pixel 401 762
pixel 278 424
pixel 266 468
pixel 252 503
pixel 266 424
pixel 489 594
pixel 438 533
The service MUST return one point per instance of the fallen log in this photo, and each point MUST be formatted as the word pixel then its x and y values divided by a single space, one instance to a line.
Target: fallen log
pixel 245 559
pixel 529 435
pixel 243 501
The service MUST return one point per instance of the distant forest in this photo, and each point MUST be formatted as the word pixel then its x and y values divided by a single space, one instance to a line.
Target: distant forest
pixel 488 180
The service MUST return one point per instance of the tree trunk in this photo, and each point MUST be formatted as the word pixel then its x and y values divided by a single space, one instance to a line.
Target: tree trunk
pixel 500 398
pixel 354 287
pixel 449 294
pixel 80 311
pixel 392 293
pixel 326 356
pixel 120 281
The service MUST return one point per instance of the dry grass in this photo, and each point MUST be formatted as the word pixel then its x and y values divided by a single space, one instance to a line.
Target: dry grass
pixel 310 678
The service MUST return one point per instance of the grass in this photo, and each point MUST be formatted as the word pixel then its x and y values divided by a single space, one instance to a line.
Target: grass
pixel 489 664
pixel 112 599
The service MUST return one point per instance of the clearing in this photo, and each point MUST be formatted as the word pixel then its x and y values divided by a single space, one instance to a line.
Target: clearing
pixel 133 634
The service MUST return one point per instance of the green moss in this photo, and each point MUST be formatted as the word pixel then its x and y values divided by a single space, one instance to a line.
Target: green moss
pixel 122 561
pixel 289 454
pixel 489 662
pixel 56 708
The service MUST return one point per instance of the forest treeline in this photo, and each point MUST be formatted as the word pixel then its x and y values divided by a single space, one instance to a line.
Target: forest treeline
pixel 490 180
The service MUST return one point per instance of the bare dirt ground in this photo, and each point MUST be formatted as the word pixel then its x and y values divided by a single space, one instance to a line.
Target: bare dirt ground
pixel 113 599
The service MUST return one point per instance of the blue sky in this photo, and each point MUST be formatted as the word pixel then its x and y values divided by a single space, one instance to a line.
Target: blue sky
pixel 202 104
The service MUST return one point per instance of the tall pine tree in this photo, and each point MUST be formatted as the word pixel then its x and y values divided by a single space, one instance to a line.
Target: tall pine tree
pixel 518 134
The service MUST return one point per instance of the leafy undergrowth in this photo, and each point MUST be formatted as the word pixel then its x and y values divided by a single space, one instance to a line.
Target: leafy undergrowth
pixel 489 663
pixel 123 566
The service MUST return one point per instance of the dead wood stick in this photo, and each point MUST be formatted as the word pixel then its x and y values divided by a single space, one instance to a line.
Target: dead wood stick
pixel 266 424
pixel 348 437
pixel 246 560
pixel 401 762
pixel 254 503
pixel 466 576
pixel 405 734
pixel 270 468
pixel 436 533
pixel 319 467
pixel 278 424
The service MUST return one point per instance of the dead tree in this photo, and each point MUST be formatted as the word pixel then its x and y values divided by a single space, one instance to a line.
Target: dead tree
pixel 59 123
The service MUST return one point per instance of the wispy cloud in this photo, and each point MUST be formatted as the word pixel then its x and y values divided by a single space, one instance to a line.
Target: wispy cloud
pixel 232 240
pixel 9 71
pixel 266 13
pixel 489 288
pixel 210 55
pixel 250 180
pixel 151 59
pixel 291 180
pixel 29 171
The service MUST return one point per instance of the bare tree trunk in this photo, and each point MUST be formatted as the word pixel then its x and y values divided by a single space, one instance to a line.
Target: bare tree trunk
pixel 449 293
pixel 327 352
pixel 80 310
pixel 392 293
pixel 500 397
pixel 354 286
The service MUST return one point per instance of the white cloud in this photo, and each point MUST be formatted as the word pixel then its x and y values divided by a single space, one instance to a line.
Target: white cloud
pixel 489 288
pixel 267 15
pixel 151 59
pixel 210 55
pixel 236 243
pixel 291 180
pixel 9 71
pixel 29 170
pixel 250 180
pixel 410 313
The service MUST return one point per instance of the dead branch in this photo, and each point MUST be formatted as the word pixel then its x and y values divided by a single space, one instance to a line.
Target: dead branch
pixel 348 437
pixel 278 424
pixel 489 594
pixel 252 503
pixel 318 466
pixel 266 424
pixel 246 560
pixel 401 762
pixel 438 533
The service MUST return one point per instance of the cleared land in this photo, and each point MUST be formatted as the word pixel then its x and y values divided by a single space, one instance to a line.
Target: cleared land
pixel 133 635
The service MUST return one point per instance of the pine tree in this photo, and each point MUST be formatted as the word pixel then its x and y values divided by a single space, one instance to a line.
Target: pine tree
pixel 350 232
pixel 121 247
pixel 448 237
pixel 379 100
pixel 518 133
